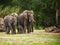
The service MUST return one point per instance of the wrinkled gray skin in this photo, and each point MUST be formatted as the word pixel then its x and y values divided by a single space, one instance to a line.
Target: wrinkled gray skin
pixel 30 21
pixel 21 22
pixel 25 21
pixel 2 28
pixel 10 23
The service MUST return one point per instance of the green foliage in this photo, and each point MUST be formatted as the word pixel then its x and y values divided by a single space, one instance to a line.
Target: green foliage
pixel 44 10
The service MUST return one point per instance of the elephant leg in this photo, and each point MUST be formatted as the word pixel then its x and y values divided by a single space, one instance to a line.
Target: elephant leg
pixel 20 31
pixel 17 29
pixel 20 28
pixel 24 27
pixel 14 30
pixel 32 28
pixel 7 26
pixel 7 30
pixel 24 30
pixel 31 25
pixel 28 29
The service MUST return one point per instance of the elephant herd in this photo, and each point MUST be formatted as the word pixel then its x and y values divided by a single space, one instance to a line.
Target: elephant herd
pixel 23 22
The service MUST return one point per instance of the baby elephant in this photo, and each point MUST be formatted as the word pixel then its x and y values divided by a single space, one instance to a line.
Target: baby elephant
pixel 10 23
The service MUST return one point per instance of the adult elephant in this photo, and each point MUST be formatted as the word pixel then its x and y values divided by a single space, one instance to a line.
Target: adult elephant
pixel 25 21
pixel 30 21
pixel 21 22
pixel 10 23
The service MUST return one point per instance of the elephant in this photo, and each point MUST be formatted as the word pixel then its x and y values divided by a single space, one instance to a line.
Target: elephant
pixel 2 27
pixel 25 21
pixel 21 22
pixel 10 22
pixel 30 21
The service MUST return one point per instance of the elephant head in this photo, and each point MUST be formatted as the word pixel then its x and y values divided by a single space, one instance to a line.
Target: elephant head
pixel 31 15
pixel 14 18
pixel 14 14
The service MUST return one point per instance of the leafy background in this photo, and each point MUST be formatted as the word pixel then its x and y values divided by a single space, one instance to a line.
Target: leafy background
pixel 44 10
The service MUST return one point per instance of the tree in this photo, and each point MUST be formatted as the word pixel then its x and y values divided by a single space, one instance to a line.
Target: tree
pixel 44 10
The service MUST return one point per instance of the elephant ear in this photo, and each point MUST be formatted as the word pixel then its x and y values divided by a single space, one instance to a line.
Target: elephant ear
pixel 32 13
pixel 25 13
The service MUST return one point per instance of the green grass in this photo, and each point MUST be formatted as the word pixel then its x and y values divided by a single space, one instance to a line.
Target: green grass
pixel 38 43
pixel 38 37
pixel 54 36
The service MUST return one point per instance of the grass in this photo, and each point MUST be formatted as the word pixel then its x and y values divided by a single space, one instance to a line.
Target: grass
pixel 38 43
pixel 38 37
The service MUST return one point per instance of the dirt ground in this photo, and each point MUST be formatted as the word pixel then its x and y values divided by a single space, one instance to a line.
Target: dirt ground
pixel 36 36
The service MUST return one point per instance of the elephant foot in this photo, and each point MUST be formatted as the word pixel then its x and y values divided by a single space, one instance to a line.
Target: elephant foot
pixel 13 33
pixel 28 32
pixel 19 33
pixel 32 31
pixel 7 33
pixel 24 32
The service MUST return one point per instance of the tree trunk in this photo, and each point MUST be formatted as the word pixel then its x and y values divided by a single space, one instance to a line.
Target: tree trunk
pixel 56 17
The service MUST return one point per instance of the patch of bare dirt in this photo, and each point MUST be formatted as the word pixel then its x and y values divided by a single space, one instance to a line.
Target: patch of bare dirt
pixel 36 36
